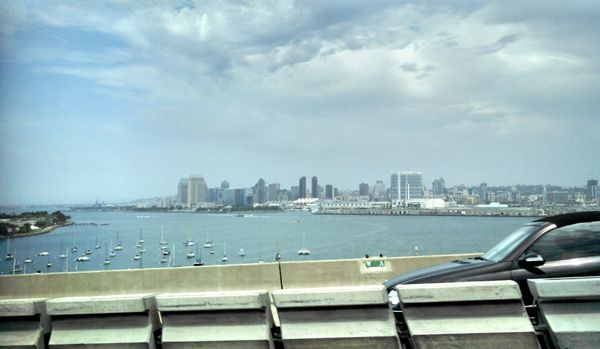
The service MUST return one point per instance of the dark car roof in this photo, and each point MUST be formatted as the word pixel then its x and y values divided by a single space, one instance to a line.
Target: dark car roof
pixel 565 219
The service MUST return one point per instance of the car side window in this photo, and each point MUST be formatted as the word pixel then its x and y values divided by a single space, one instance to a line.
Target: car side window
pixel 572 241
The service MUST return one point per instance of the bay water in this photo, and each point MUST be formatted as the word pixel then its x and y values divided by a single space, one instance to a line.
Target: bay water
pixel 261 235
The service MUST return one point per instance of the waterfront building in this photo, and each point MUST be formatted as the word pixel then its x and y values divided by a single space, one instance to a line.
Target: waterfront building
pixel 557 197
pixel 182 192
pixel 592 190
pixel 406 185
pixel 272 191
pixel 260 192
pixel 438 187
pixel 363 189
pixel 302 188
pixel 314 189
pixel 283 195
pixel 197 190
pixel 328 192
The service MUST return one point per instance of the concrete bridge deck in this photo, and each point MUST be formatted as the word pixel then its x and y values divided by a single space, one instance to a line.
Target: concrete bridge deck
pixel 317 304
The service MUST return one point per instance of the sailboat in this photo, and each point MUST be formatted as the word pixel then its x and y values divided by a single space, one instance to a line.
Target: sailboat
pixel 73 247
pixel 224 259
pixel 106 259
pixel 189 241
pixel 303 251
pixel 208 243
pixel 242 252
pixel 118 247
pixel 191 253
pixel 141 239
pixel 112 252
pixel 8 255
pixel 97 246
pixel 198 261
pixel 163 242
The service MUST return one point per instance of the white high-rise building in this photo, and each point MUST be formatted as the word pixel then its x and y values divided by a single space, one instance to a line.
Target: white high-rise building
pixel 197 190
pixel 406 185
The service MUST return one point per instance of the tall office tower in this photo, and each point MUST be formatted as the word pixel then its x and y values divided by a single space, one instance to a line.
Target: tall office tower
pixel 406 185
pixel 483 193
pixel 329 192
pixel 272 191
pixel 438 187
pixel 379 190
pixel 302 185
pixel 592 190
pixel 314 189
pixel 197 190
pixel 182 192
pixel 260 192
pixel 363 189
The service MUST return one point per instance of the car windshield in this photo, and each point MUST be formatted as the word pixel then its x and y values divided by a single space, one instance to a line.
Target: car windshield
pixel 506 246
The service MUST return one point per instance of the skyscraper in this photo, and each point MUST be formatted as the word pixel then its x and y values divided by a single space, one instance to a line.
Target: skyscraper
pixel 272 191
pixel 302 188
pixel 197 190
pixel 260 192
pixel 592 190
pixel 328 192
pixel 314 190
pixel 438 187
pixel 406 185
pixel 483 193
pixel 363 189
pixel 379 190
pixel 182 192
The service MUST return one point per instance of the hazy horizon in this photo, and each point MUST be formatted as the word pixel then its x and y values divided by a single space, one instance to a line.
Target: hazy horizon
pixel 118 100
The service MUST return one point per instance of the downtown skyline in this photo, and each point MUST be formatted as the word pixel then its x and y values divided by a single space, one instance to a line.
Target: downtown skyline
pixel 116 100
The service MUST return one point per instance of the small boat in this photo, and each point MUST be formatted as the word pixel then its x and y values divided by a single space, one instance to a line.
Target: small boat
pixel 62 256
pixel 242 252
pixel 277 256
pixel 190 254
pixel 208 243
pixel 28 260
pixel 211 251
pixel 189 242
pixel 163 260
pixel 106 258
pixel 17 269
pixel 97 244
pixel 106 261
pixel 166 252
pixel 163 242
pixel 198 261
pixel 303 251
pixel 44 253
pixel 119 246
pixel 82 259
pixel 136 257
pixel 73 249
pixel 141 239
pixel 224 259
pixel 142 250
pixel 8 256
pixel 112 252
pixel 48 265
pixel 88 252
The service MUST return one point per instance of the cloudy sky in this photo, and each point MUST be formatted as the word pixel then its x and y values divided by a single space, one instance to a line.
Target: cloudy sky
pixel 116 100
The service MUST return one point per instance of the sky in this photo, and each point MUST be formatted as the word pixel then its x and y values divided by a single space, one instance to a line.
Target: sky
pixel 118 100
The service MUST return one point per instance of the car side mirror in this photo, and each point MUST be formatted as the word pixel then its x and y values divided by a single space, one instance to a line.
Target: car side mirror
pixel 531 260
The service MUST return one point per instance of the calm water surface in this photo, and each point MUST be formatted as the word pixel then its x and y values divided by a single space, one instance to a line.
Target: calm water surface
pixel 260 235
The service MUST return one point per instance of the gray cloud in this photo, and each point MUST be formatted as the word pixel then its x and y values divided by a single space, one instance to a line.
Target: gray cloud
pixel 349 89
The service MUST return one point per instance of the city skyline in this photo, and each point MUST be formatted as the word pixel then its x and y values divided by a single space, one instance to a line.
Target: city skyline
pixel 117 100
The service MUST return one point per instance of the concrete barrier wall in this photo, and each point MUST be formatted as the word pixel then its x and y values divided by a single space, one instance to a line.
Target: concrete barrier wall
pixel 267 276
pixel 355 272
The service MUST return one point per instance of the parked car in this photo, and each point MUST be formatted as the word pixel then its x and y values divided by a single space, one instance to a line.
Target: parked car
pixel 565 245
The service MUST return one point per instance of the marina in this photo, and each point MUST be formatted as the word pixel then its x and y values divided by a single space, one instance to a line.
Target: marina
pixel 128 240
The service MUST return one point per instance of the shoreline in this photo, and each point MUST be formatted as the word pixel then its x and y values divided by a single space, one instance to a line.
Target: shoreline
pixel 37 232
